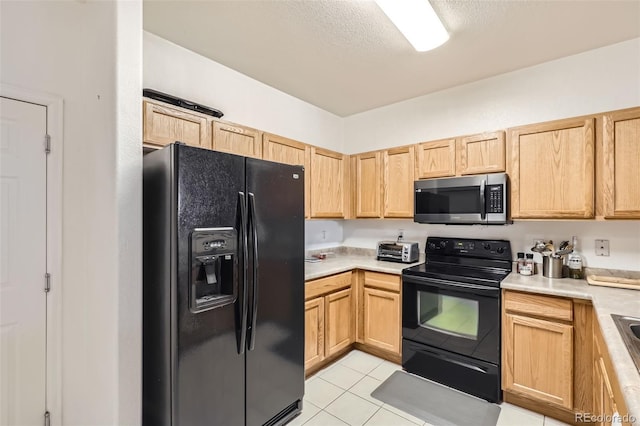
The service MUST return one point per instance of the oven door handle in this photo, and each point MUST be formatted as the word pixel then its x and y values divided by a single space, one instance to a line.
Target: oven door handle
pixel 455 361
pixel 454 286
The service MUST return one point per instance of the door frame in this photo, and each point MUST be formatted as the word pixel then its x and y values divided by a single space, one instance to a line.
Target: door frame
pixel 54 107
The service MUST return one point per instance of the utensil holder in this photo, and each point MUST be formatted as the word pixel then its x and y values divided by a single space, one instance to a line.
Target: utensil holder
pixel 552 267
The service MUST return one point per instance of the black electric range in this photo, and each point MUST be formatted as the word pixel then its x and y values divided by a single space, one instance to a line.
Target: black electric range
pixel 451 314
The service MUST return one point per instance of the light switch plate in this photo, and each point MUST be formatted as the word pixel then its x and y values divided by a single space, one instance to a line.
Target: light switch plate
pixel 602 247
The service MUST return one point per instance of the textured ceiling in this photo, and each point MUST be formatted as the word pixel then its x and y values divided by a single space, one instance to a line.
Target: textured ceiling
pixel 344 56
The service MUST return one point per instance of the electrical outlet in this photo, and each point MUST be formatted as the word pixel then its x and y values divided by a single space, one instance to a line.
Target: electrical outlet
pixel 400 234
pixel 602 247
pixel 324 235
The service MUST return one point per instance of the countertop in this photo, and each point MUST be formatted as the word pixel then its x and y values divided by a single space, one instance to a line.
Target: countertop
pixel 606 301
pixel 342 263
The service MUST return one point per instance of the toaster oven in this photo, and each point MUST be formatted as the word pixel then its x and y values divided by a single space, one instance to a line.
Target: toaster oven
pixel 398 251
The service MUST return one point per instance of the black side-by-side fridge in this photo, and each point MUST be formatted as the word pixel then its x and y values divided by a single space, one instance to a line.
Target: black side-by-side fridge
pixel 223 293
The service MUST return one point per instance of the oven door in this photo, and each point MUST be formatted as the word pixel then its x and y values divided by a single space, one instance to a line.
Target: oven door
pixel 456 317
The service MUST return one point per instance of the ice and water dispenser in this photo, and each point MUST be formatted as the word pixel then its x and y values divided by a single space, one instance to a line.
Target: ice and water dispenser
pixel 214 277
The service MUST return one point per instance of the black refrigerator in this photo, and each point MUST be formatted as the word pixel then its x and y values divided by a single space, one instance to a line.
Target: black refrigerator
pixel 223 289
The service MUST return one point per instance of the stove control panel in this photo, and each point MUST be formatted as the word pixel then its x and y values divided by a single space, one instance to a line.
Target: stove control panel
pixel 467 247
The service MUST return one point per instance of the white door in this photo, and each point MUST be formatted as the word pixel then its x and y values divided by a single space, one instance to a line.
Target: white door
pixel 23 190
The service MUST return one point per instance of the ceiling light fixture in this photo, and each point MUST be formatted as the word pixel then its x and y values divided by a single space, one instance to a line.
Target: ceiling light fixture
pixel 417 21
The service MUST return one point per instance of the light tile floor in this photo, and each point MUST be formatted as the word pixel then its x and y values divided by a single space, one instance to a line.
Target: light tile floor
pixel 341 395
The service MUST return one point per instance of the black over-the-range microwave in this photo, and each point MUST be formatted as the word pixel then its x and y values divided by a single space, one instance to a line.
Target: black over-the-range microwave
pixel 467 200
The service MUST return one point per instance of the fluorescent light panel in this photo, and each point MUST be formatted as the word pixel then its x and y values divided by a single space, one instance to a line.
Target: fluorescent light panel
pixel 417 21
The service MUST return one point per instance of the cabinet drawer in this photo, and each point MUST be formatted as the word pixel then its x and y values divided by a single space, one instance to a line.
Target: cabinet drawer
pixel 382 281
pixel 327 285
pixel 543 306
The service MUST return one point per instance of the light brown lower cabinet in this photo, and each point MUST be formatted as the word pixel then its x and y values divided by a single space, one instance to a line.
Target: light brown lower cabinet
pixel 542 343
pixel 604 404
pixel 329 318
pixel 339 321
pixel 538 356
pixel 353 309
pixel 380 312
pixel 607 396
pixel 313 332
pixel 381 319
pixel 554 360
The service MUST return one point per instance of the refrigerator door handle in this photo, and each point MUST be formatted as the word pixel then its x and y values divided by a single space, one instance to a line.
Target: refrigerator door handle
pixel 254 244
pixel 244 308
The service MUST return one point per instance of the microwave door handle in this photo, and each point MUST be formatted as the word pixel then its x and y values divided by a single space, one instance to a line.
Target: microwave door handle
pixel 483 206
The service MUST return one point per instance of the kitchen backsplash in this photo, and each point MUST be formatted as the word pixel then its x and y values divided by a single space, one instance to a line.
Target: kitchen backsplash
pixel 321 234
pixel 623 236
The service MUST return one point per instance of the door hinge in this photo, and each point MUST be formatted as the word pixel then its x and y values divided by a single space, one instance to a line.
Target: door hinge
pixel 47 418
pixel 47 144
pixel 47 282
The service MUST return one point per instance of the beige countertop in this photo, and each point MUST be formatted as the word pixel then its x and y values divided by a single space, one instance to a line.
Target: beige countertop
pixel 606 301
pixel 346 262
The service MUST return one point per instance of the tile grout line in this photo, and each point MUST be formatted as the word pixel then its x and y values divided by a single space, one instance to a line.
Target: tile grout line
pixel 371 416
pixel 353 369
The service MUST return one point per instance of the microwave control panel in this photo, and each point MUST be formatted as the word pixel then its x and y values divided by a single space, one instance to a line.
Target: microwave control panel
pixel 495 199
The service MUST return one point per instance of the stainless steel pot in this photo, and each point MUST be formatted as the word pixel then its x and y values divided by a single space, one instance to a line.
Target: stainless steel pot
pixel 552 267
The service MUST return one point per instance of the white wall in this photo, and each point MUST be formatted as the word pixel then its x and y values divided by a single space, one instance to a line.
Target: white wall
pixel 319 234
pixel 624 237
pixel 595 81
pixel 599 80
pixel 172 69
pixel 89 54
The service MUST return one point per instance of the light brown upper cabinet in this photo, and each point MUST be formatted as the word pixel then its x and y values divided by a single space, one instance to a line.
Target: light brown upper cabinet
pixel 552 169
pixel 436 159
pixel 287 151
pixel 619 165
pixel 483 153
pixel 398 176
pixel 236 139
pixel 163 124
pixel 328 188
pixel 368 184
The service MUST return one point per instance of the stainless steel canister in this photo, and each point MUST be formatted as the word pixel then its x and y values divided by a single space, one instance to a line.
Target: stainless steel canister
pixel 552 267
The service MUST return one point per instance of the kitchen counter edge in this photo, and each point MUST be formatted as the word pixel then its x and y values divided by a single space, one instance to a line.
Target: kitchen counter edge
pixel 335 265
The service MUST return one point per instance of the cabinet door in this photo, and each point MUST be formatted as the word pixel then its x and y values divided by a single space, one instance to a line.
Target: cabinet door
pixel 483 153
pixel 599 391
pixel 236 139
pixel 620 164
pixel 327 183
pixel 545 375
pixel 552 169
pixel 398 178
pixel 603 402
pixel 382 319
pixel 340 324
pixel 164 125
pixel 436 159
pixel 313 332
pixel 368 184
pixel 287 151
